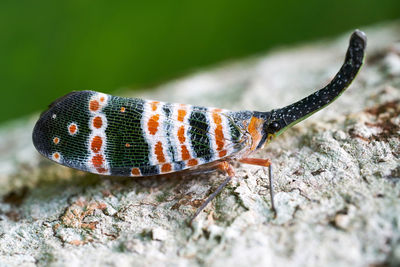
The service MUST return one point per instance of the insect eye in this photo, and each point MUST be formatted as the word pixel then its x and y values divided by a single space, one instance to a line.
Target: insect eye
pixel 273 127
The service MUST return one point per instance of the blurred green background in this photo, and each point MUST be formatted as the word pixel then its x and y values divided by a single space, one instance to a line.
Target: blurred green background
pixel 49 48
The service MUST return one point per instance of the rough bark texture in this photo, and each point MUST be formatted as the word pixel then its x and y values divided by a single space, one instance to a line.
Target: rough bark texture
pixel 336 178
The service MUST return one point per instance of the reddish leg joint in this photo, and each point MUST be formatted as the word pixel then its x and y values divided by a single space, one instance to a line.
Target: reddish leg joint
pixel 227 168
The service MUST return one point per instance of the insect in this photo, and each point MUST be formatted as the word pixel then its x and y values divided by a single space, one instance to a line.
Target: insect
pixel 119 136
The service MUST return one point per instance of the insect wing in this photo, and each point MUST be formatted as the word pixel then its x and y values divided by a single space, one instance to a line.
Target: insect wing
pixel 111 135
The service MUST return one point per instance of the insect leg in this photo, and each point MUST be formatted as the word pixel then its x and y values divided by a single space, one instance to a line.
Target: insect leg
pixel 227 168
pixel 263 163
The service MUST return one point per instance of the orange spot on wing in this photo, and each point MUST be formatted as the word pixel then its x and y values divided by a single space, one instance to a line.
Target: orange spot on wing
pixel 192 162
pixel 94 105
pixel 96 144
pixel 127 145
pixel 166 168
pixel 217 118
pixel 219 137
pixel 56 140
pixel 254 130
pixel 123 109
pixel 98 161
pixel 102 99
pixel 219 134
pixel 72 128
pixel 154 105
pixel 56 155
pixel 222 153
pixel 158 150
pixel 153 124
pixel 135 172
pixel 181 134
pixel 97 122
pixel 181 114
pixel 185 153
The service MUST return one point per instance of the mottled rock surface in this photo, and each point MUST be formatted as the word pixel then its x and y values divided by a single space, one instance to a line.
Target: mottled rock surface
pixel 336 178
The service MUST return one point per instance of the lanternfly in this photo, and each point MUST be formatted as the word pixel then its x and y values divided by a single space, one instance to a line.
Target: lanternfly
pixel 119 136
